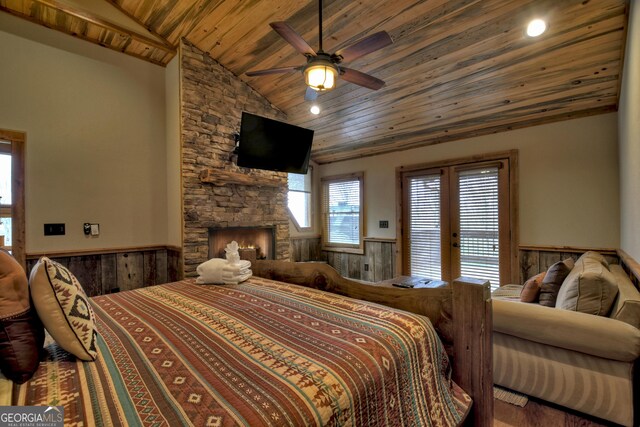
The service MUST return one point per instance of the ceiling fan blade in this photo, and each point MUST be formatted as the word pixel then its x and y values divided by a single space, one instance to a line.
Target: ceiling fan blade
pixel 362 47
pixel 310 94
pixel 293 38
pixel 273 71
pixel 361 79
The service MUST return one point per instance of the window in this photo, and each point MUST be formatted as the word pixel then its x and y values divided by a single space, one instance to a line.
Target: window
pixel 299 199
pixel 342 217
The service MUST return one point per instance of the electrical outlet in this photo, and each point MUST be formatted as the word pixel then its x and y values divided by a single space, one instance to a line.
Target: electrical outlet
pixel 54 229
pixel 384 224
pixel 366 267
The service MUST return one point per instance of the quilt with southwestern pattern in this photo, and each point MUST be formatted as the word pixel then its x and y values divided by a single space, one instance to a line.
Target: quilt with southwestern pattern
pixel 261 353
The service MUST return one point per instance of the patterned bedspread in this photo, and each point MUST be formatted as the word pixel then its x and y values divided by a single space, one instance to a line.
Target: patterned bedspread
pixel 259 353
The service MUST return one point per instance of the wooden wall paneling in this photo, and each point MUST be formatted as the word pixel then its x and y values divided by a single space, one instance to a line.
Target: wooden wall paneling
pixel 386 260
pixel 108 270
pixel 149 268
pixel 174 264
pixel 354 266
pixel 376 255
pixel 295 250
pixel 368 260
pixel 161 266
pixel 87 270
pixel 304 250
pixel 529 264
pixel 130 270
pixel 547 259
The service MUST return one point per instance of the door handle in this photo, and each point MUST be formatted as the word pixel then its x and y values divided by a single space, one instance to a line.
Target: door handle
pixel 455 245
pixel 455 234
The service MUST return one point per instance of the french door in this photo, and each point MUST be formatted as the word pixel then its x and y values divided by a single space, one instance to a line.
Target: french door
pixel 456 221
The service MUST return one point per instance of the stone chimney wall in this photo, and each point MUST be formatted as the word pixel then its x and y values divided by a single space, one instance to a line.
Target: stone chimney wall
pixel 212 101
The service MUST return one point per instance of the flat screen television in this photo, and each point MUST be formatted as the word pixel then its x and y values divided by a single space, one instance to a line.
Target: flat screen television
pixel 272 145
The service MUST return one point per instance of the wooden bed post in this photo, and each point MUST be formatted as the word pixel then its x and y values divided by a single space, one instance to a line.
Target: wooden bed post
pixel 472 346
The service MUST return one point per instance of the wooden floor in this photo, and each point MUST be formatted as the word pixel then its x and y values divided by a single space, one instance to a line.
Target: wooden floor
pixel 537 414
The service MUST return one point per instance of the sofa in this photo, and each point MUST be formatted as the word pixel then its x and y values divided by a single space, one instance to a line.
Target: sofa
pixel 568 355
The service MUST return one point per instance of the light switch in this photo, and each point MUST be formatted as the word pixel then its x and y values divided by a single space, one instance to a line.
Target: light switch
pixel 95 229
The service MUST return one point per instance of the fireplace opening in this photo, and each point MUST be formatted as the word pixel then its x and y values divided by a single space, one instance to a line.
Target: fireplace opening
pixel 254 242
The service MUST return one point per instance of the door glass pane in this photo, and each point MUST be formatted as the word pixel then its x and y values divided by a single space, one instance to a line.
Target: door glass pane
pixel 5 179
pixel 479 232
pixel 425 258
pixel 5 230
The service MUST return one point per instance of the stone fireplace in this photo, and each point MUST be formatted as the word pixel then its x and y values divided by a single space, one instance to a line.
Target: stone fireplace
pixel 260 239
pixel 217 194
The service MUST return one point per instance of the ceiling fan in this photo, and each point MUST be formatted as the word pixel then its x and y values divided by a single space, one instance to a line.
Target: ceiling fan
pixel 322 68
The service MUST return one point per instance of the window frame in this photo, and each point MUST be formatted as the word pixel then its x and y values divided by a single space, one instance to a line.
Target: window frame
pixel 342 247
pixel 311 204
pixel 17 209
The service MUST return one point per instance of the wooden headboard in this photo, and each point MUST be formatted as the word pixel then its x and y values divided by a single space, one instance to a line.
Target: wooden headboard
pixel 461 313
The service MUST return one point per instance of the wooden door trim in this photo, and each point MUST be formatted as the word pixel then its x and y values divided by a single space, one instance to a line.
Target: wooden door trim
pixel 17 140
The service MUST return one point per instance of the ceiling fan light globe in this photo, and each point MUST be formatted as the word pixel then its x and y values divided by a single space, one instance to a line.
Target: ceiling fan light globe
pixel 321 77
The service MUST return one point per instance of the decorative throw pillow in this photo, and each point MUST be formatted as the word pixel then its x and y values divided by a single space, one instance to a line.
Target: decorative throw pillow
pixel 552 281
pixel 597 256
pixel 589 288
pixel 531 289
pixel 21 332
pixel 64 308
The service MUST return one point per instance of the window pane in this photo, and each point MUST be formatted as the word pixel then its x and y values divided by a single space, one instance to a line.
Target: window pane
pixel 479 232
pixel 299 206
pixel 300 182
pixel 425 257
pixel 344 212
pixel 5 179
pixel 5 230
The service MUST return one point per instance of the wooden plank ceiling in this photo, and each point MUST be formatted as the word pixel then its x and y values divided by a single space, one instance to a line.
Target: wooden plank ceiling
pixel 456 69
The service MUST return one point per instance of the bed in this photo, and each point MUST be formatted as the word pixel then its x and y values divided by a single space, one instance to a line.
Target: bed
pixel 276 350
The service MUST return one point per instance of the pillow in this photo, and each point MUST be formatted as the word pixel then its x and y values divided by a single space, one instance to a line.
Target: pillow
pixel 64 308
pixel 531 289
pixel 21 332
pixel 596 256
pixel 553 280
pixel 589 288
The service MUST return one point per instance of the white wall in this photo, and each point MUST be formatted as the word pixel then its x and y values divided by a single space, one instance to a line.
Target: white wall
pixel 174 186
pixel 95 150
pixel 568 174
pixel 629 129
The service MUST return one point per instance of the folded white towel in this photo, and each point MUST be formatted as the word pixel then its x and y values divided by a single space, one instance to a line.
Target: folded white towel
pixel 210 272
pixel 242 264
pixel 238 279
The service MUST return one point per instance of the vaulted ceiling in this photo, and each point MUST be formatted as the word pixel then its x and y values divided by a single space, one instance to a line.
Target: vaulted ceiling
pixel 456 69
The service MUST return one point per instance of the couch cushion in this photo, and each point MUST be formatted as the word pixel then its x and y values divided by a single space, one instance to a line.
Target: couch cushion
pixel 626 308
pixel 64 308
pixel 552 281
pixel 589 288
pixel 21 332
pixel 531 289
pixel 596 256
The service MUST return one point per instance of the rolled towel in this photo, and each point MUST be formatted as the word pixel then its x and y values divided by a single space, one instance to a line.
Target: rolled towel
pixel 238 279
pixel 226 272
pixel 210 272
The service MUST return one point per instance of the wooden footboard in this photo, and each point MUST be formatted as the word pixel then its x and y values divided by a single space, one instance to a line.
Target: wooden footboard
pixel 461 313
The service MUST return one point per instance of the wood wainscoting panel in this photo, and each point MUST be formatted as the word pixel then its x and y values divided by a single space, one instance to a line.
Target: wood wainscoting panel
pixel 378 262
pixel 119 269
pixel 305 249
pixel 536 259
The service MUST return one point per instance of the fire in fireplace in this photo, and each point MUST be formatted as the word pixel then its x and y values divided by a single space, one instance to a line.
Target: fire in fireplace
pixel 254 242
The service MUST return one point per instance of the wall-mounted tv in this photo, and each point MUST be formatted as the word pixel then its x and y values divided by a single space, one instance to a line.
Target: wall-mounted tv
pixel 272 145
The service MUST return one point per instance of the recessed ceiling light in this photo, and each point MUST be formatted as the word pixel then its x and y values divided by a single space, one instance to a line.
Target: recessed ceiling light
pixel 315 109
pixel 536 27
